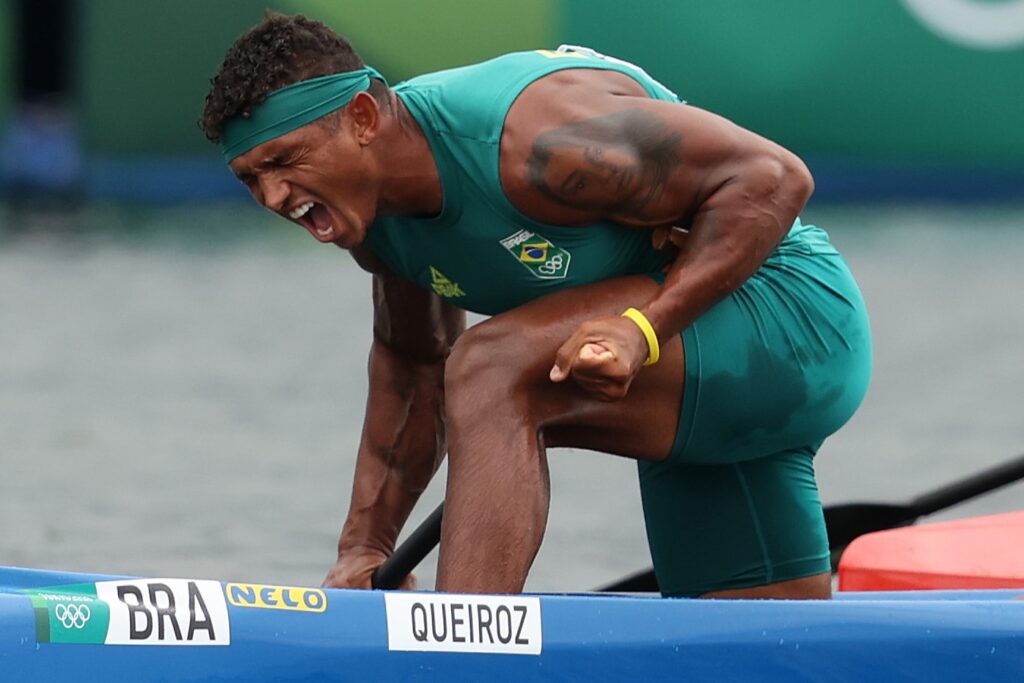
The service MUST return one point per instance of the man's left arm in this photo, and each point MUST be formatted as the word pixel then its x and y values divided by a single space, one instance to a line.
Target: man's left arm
pixel 736 225
pixel 652 164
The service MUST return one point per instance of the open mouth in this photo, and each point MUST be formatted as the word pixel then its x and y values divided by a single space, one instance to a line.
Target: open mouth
pixel 315 218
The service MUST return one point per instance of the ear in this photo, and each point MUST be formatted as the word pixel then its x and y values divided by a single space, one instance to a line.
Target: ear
pixel 365 114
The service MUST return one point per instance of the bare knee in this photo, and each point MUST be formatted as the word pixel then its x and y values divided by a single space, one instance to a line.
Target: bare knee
pixel 489 368
pixel 489 411
pixel 817 587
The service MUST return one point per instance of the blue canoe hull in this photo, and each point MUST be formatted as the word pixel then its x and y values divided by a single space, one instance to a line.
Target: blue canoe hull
pixel 271 633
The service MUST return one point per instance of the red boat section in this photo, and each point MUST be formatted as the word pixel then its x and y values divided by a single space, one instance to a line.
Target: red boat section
pixel 980 552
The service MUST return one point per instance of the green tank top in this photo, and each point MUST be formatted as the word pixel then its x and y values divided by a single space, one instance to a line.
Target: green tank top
pixel 480 253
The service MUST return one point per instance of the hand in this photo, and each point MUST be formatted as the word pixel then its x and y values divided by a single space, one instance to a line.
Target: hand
pixel 669 238
pixel 354 569
pixel 602 356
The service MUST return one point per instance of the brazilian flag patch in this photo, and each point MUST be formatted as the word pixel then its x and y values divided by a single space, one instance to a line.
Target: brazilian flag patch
pixel 538 255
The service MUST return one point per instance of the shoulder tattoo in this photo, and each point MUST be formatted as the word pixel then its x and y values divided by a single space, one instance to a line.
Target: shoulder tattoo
pixel 617 163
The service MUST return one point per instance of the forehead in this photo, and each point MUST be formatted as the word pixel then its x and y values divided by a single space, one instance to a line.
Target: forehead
pixel 274 151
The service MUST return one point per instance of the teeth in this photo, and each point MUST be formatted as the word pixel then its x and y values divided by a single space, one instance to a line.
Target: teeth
pixel 326 231
pixel 300 211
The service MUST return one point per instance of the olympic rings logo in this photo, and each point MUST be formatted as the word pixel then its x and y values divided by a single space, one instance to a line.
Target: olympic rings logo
pixel 979 24
pixel 72 616
pixel 552 265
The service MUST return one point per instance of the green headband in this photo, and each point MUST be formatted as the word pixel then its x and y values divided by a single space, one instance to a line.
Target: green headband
pixel 292 107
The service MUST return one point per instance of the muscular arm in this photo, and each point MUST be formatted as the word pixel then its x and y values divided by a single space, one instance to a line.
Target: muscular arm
pixel 658 164
pixel 600 150
pixel 403 439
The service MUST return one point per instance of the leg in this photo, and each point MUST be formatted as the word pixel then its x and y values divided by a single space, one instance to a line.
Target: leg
pixel 817 587
pixel 502 411
pixel 741 530
pixel 771 372
pixel 781 363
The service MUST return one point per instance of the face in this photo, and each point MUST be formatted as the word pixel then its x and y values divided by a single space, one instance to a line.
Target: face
pixel 320 178
pixel 592 176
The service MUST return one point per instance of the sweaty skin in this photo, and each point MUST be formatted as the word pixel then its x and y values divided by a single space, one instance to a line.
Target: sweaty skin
pixel 587 164
pixel 578 146
pixel 648 164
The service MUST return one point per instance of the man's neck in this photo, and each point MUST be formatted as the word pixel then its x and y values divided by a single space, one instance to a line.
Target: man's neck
pixel 412 183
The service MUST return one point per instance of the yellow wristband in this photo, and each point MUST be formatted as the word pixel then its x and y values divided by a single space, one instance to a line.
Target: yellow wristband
pixel 653 349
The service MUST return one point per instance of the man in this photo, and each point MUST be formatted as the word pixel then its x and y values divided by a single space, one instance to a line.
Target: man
pixel 529 188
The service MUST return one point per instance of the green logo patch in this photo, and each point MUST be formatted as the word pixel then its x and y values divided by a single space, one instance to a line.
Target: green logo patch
pixel 70 614
pixel 133 612
pixel 538 255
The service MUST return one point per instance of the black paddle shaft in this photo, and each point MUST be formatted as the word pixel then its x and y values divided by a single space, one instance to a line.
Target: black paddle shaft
pixel 847 522
pixel 844 523
pixel 982 482
pixel 419 544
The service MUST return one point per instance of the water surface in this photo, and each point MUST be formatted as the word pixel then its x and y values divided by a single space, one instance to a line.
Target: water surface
pixel 181 391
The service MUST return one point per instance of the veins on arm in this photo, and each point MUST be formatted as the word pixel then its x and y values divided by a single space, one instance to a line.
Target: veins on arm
pixel 618 164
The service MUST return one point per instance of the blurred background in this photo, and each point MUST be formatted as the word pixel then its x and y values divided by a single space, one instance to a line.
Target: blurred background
pixel 182 377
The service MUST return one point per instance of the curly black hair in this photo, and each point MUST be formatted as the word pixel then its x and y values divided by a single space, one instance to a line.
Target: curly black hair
pixel 278 51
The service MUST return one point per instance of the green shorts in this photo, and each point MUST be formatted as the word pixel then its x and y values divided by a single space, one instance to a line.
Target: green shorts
pixel 771 371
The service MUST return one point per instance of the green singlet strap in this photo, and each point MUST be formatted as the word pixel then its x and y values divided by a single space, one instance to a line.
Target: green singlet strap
pixel 292 107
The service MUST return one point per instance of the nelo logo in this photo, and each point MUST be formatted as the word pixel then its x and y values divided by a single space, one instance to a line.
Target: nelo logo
pixel 276 597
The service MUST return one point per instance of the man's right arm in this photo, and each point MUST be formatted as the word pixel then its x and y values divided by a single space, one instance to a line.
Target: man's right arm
pixel 403 440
